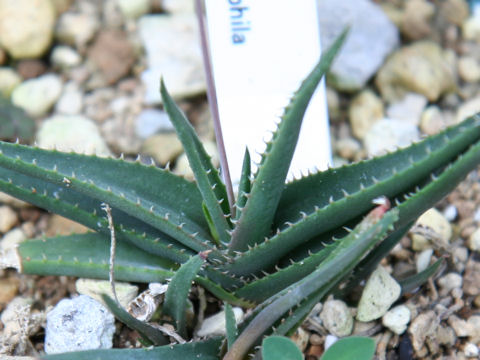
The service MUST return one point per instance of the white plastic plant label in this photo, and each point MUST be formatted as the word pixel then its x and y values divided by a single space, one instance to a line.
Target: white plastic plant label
pixel 260 52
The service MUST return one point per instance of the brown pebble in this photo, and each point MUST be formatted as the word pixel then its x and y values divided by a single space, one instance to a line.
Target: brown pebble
pixel 315 351
pixel 30 214
pixel 471 278
pixel 8 290
pixel 29 69
pixel 113 55
pixel 3 56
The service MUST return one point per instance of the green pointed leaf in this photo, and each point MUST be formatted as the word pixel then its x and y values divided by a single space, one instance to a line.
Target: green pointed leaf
pixel 280 348
pixel 332 270
pixel 231 325
pixel 155 336
pixel 211 225
pixel 105 181
pixel 363 270
pixel 272 172
pixel 245 186
pixel 349 190
pixel 87 256
pixel 304 232
pixel 175 304
pixel 412 282
pixel 87 211
pixel 354 347
pixel 200 350
pixel 209 183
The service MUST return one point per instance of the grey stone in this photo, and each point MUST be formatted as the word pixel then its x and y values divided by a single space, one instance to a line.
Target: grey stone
pixel 389 134
pixel 173 53
pixel 78 324
pixel 150 121
pixel 408 109
pixel 372 37
pixel 37 96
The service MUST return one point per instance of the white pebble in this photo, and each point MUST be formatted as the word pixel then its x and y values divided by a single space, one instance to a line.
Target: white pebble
pixel 450 212
pixel 423 259
pixel 330 340
pixel 397 319
pixel 471 350
pixel 65 57
pixel 450 281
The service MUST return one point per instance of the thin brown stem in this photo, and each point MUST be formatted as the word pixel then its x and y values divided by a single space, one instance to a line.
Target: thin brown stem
pixel 212 99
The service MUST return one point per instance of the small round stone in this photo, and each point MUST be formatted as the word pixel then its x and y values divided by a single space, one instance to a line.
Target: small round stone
pixel 397 319
pixel 474 240
pixel 337 318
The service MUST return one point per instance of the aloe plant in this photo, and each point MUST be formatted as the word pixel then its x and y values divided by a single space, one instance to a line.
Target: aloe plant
pixel 287 246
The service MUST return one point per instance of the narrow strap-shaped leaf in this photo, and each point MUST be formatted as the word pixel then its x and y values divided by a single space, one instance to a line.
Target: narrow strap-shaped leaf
pixel 231 325
pixel 338 264
pixel 280 348
pixel 209 183
pixel 87 256
pixel 261 289
pixel 387 175
pixel 165 217
pixel 244 186
pixel 87 211
pixel 256 219
pixel 311 226
pixel 175 304
pixel 437 187
pixel 152 334
pixel 412 282
pixel 199 350
pixel 161 187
